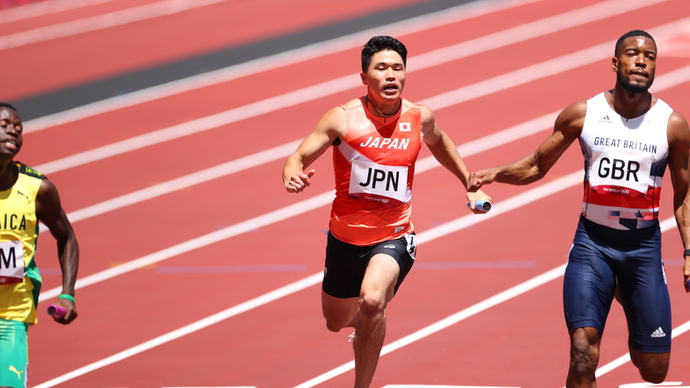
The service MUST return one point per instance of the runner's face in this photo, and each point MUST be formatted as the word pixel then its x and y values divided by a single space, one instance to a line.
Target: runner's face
pixel 386 75
pixel 635 64
pixel 10 132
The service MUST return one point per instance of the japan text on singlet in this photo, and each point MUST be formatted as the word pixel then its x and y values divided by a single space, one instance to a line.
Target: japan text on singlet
pixel 20 281
pixel 374 169
pixel 625 160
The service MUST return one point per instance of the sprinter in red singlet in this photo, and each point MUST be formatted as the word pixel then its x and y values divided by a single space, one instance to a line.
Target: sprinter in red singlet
pixel 371 242
pixel 628 138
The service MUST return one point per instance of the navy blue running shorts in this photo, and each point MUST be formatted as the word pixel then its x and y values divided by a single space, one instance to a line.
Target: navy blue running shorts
pixel 346 263
pixel 602 257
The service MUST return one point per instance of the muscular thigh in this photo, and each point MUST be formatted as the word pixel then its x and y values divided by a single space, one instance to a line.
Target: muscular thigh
pixel 589 283
pixel 346 264
pixel 645 298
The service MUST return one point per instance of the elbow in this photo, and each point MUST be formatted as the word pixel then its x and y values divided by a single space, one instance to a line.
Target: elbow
pixel 530 176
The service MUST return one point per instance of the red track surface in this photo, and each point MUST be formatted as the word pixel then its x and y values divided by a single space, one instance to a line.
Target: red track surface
pixel 521 342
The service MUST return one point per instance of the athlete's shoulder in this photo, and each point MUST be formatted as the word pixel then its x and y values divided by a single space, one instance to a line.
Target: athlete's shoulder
pixel 426 114
pixel 571 120
pixel 352 104
pixel 576 110
pixel 30 171
pixel 411 105
pixel 678 128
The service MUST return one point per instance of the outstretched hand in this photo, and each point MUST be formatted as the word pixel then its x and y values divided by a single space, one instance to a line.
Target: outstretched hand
pixel 298 182
pixel 479 178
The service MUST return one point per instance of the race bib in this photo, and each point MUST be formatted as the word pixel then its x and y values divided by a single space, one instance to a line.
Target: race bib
pixel 620 170
pixel 386 181
pixel 11 262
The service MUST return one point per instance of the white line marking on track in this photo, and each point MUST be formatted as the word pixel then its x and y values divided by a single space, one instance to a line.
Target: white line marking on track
pixel 434 233
pixel 650 385
pixel 437 19
pixel 424 164
pixel 210 387
pixel 496 40
pixel 515 202
pixel 33 10
pixel 496 209
pixel 662 82
pixel 100 22
pixel 479 89
pixel 439 386
pixel 626 357
pixel 323 199
pixel 288 212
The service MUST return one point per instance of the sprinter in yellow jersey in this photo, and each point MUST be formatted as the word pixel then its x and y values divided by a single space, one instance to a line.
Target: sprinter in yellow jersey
pixel 371 244
pixel 26 198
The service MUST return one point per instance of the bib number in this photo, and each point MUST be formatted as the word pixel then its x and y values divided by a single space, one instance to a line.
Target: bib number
pixel 11 262
pixel 381 180
pixel 620 171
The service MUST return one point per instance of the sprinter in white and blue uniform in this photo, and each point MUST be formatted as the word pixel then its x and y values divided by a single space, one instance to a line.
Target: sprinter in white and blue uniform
pixel 628 139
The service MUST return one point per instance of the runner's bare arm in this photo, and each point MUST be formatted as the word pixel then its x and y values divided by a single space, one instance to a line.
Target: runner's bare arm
pixel 446 153
pixel 534 166
pixel 679 166
pixel 50 212
pixel 328 129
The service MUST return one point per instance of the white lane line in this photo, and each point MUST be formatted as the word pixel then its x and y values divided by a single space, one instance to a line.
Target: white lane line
pixel 452 15
pixel 662 82
pixel 188 329
pixel 424 237
pixel 468 149
pixel 515 202
pixel 439 386
pixel 514 35
pixel 479 89
pixel 33 10
pixel 100 22
pixel 523 199
pixel 323 199
pixel 678 330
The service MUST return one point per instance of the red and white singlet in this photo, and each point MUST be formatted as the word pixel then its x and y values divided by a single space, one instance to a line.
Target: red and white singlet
pixel 374 169
pixel 625 160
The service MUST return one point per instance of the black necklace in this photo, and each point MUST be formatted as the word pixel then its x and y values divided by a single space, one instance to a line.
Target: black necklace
pixel 382 113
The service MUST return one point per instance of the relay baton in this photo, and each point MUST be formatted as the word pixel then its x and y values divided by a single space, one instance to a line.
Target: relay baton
pixel 56 311
pixel 481 205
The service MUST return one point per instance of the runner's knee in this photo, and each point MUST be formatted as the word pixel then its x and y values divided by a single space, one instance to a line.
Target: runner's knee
pixel 333 327
pixel 584 352
pixel 335 324
pixel 653 367
pixel 372 304
pixel 654 376
pixel 584 361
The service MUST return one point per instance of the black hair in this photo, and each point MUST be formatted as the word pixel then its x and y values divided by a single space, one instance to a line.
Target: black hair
pixel 382 43
pixel 8 105
pixel 630 34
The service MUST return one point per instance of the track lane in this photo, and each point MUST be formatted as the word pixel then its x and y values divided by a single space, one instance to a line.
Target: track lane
pixel 478 45
pixel 158 33
pixel 244 196
pixel 326 333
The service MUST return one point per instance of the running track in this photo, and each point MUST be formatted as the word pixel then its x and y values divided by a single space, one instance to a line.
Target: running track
pixel 198 270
